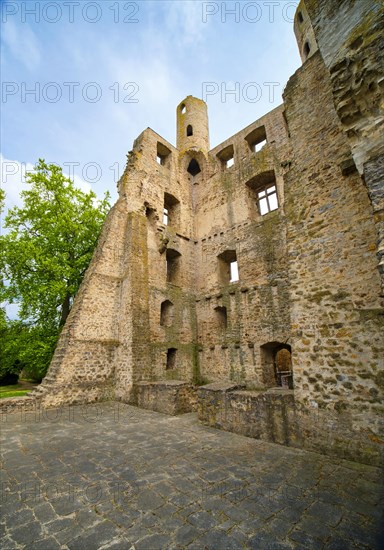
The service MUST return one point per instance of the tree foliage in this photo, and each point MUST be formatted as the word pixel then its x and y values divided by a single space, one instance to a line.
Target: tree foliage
pixel 26 347
pixel 43 258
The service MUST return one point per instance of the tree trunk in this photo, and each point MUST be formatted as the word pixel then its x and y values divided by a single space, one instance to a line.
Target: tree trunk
pixel 65 309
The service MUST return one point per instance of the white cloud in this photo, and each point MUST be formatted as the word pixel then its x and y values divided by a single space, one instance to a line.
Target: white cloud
pixel 22 44
pixel 13 180
pixel 186 17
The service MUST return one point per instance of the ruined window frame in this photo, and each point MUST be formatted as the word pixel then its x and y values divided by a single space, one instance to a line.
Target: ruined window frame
pixel 227 157
pixel 163 154
pixel 171 211
pixel 257 139
pixel 263 194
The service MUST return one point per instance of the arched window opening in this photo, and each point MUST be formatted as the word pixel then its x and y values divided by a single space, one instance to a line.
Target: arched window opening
pixel 300 17
pixel 193 168
pixel 189 130
pixel 171 359
pixel 183 109
pixel 307 49
pixel 166 313
pixel 276 363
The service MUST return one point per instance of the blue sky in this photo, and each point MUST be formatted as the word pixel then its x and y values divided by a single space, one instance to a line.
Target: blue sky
pixel 160 51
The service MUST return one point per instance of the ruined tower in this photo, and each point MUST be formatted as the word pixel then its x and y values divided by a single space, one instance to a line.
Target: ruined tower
pixel 252 270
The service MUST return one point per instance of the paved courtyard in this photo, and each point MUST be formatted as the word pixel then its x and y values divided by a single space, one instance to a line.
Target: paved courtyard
pixel 114 476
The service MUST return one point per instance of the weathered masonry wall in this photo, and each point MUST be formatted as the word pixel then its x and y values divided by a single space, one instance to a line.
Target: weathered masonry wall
pixel 350 37
pixel 228 219
pixel 275 416
pixel 253 270
pixel 337 318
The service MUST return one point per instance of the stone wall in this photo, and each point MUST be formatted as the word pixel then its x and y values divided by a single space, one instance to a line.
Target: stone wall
pixel 336 312
pixel 169 397
pixel 274 416
pixel 350 36
pixel 228 218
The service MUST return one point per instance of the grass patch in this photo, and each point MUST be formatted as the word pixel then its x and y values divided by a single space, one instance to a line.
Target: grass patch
pixel 11 387
pixel 14 393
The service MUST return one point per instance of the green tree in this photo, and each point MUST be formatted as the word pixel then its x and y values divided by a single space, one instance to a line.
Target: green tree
pixel 26 346
pixel 45 253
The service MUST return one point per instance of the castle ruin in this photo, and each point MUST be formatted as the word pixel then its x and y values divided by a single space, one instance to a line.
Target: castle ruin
pixel 246 281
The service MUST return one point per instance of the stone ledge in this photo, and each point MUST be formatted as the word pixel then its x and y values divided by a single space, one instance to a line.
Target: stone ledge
pixel 258 414
pixel 221 386
pixel 165 396
pixel 162 383
pixel 14 404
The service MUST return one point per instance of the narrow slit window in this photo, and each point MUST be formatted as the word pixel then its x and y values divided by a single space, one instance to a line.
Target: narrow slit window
pixel 234 272
pixel 171 359
pixel 307 49
pixel 165 216
pixel 189 130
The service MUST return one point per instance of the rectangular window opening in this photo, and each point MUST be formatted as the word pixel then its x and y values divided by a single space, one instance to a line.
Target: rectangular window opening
pixel 171 212
pixel 228 270
pixel 173 266
pixel 221 317
pixel 162 154
pixel 257 139
pixel 227 156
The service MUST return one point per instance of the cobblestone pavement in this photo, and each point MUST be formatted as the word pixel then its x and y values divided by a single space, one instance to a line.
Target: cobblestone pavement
pixel 114 476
